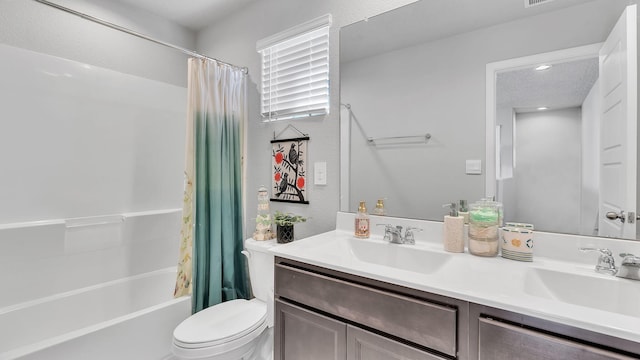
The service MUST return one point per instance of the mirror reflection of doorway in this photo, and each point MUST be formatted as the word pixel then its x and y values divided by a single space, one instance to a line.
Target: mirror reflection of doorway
pixel 548 126
pixel 537 166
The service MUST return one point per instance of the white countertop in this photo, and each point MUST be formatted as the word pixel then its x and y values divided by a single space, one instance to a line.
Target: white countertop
pixel 495 282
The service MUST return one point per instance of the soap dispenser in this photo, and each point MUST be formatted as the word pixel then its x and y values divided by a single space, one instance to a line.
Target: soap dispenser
pixel 453 230
pixel 379 210
pixel 464 212
pixel 362 222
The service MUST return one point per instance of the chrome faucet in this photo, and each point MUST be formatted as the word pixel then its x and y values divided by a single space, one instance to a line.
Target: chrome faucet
pixel 606 263
pixel 393 234
pixel 630 267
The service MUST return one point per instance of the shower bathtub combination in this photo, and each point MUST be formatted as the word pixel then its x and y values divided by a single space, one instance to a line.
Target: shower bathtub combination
pixel 131 317
pixel 92 153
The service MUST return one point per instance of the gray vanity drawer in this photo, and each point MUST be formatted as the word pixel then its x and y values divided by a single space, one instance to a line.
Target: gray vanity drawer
pixel 415 320
pixel 500 340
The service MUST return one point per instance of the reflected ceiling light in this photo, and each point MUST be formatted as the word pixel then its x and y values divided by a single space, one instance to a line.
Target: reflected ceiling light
pixel 543 67
pixel 543 108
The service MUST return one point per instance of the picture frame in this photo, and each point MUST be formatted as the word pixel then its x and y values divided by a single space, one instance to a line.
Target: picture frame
pixel 289 170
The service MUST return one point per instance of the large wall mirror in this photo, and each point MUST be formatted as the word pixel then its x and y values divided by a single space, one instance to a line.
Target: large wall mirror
pixel 441 101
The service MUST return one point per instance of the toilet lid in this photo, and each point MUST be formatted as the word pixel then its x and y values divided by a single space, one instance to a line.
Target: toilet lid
pixel 221 323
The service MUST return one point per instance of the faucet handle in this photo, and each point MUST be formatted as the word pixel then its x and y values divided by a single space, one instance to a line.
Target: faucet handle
pixel 630 260
pixel 604 251
pixel 387 228
pixel 409 237
pixel 387 231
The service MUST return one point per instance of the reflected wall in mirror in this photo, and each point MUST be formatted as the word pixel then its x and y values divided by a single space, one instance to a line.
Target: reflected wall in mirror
pixel 422 69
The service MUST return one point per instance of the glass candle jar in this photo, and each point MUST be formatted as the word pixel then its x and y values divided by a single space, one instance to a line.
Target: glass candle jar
pixel 483 229
pixel 263 217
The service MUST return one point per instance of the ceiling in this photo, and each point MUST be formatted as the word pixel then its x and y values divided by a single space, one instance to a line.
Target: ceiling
pixel 192 14
pixel 564 85
pixel 429 20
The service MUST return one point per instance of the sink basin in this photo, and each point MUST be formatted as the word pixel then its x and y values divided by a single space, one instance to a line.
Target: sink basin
pixel 601 292
pixel 404 257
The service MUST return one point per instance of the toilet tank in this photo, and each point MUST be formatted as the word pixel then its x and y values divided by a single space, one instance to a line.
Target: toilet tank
pixel 260 268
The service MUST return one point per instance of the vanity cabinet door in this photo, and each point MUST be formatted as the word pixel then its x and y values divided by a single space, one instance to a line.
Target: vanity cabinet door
pixel 503 341
pixel 304 335
pixel 365 345
pixel 419 321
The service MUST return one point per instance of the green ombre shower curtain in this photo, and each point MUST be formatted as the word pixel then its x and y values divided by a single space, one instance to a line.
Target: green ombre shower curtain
pixel 214 177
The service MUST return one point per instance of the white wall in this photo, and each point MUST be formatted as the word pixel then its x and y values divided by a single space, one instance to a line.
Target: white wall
pixel 234 40
pixel 547 170
pixel 439 87
pixel 591 110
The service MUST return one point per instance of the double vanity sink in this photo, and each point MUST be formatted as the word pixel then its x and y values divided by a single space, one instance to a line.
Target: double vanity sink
pixel 549 288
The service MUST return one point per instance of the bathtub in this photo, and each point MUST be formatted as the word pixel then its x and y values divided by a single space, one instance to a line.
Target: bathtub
pixel 131 318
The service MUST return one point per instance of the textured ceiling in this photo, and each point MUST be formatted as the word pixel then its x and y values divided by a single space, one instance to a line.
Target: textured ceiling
pixel 564 85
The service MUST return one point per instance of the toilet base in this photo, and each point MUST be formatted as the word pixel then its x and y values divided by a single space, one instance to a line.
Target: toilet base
pixel 261 348
pixel 264 347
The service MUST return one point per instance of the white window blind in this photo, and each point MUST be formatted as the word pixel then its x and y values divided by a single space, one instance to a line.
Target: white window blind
pixel 295 72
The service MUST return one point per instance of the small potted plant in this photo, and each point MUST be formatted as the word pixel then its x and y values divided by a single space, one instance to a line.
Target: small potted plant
pixel 284 226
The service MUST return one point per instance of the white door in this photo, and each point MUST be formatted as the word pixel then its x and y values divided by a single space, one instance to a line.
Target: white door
pixel 618 79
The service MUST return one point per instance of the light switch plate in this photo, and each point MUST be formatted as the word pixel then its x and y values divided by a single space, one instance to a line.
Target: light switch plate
pixel 320 173
pixel 474 167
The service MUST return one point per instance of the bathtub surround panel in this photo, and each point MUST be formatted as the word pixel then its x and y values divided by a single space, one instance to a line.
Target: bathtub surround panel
pixel 92 237
pixel 38 261
pixel 79 140
pixel 97 322
pixel 34 26
pixel 91 144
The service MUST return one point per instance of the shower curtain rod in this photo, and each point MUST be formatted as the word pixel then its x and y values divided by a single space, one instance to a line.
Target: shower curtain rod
pixel 137 34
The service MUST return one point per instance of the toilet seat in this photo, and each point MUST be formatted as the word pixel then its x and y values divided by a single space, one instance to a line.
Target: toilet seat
pixel 220 328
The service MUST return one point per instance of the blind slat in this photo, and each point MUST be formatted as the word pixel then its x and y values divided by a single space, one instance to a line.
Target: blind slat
pixel 304 66
pixel 284 99
pixel 293 53
pixel 318 58
pixel 300 88
pixel 283 84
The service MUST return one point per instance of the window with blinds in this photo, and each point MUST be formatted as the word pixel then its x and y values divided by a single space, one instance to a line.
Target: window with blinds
pixel 295 72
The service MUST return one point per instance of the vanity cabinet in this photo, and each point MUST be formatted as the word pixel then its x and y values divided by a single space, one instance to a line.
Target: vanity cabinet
pixel 379 319
pixel 365 345
pixel 498 334
pixel 327 314
pixel 304 334
pixel 499 340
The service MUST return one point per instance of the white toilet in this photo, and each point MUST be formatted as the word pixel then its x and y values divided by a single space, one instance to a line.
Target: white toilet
pixel 236 329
